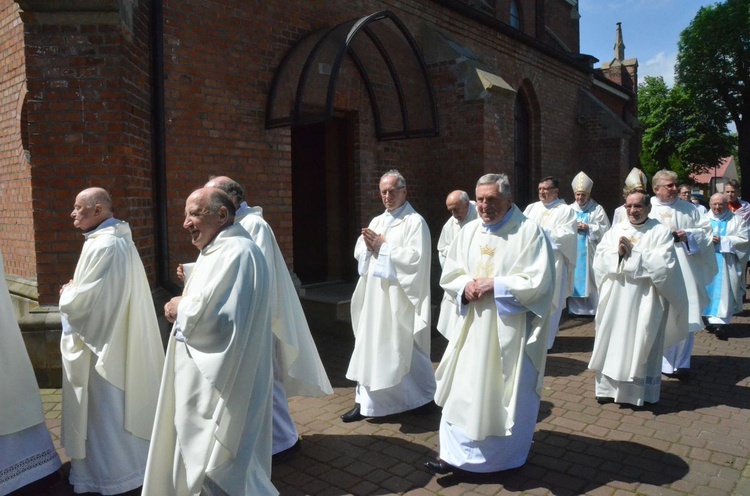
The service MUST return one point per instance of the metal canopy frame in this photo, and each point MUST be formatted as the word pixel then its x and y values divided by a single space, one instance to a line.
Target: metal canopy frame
pixel 388 61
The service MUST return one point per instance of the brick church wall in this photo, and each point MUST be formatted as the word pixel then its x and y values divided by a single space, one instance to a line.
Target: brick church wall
pixel 88 112
pixel 16 226
pixel 89 118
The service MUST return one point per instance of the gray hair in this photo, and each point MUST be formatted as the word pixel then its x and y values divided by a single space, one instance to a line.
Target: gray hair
pixel 663 175
pixel 503 185
pixel 217 199
pixel 234 189
pixel 463 197
pixel 400 181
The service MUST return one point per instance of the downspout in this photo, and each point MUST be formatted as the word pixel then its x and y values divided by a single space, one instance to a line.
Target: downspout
pixel 161 242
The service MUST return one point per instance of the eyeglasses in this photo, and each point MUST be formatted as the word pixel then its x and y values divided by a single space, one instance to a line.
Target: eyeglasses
pixel 669 185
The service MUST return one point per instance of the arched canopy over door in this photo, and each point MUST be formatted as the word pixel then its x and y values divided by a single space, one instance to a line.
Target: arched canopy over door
pixel 389 63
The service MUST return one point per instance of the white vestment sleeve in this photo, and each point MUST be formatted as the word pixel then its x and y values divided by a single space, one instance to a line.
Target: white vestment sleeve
pixel 506 303
pixel 383 267
pixel 66 327
pixel 363 255
pixel 691 245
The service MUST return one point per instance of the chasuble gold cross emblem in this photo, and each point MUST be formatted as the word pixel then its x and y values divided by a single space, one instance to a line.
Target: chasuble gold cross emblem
pixel 486 265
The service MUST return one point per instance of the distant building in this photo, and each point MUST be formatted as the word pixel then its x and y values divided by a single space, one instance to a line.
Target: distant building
pixel 713 181
pixel 305 103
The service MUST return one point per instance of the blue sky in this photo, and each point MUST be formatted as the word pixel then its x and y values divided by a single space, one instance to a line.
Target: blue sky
pixel 650 30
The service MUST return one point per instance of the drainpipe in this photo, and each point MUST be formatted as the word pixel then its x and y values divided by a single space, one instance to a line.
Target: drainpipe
pixel 161 242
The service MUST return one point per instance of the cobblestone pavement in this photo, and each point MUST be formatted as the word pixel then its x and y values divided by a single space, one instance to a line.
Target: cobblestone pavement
pixel 695 441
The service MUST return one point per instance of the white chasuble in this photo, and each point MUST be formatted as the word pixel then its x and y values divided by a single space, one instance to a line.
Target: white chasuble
pixel 558 221
pixel 447 319
pixel 110 321
pixel 301 369
pixel 641 306
pixel 479 375
pixel 215 405
pixel 26 450
pixel 390 307
pixel 20 403
pixel 696 257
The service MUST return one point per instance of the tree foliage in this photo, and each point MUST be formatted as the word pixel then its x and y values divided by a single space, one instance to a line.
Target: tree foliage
pixel 680 133
pixel 713 65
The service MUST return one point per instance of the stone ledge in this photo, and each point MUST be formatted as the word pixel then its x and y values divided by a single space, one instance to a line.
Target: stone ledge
pixel 41 318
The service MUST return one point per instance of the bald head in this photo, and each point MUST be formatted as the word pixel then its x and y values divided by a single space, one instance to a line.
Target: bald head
pixel 92 207
pixel 231 187
pixel 208 211
pixel 457 204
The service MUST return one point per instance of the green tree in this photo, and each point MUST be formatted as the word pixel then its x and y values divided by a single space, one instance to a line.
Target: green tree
pixel 679 134
pixel 713 64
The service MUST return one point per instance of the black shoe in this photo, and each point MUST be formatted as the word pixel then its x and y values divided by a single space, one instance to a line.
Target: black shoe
pixel 425 409
pixel 681 374
pixel 710 328
pixel 439 467
pixel 721 334
pixel 352 415
pixel 284 455
pixel 603 400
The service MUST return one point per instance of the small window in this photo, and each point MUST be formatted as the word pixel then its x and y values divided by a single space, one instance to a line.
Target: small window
pixel 515 15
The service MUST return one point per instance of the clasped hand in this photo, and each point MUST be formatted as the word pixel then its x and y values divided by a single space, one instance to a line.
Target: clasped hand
pixel 478 288
pixel 625 247
pixel 373 240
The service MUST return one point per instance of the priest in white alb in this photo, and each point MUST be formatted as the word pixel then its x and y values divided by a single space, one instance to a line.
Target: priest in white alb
pixel 592 224
pixel 112 354
pixel 695 255
pixel 559 223
pixel 731 249
pixel 26 450
pixel 391 310
pixel 641 306
pixel 212 433
pixel 297 368
pixel 462 211
pixel 501 272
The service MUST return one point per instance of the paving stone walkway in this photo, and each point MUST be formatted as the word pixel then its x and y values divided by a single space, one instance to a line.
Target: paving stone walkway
pixel 695 441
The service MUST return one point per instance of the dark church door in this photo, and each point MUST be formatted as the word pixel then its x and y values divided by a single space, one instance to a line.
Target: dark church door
pixel 323 202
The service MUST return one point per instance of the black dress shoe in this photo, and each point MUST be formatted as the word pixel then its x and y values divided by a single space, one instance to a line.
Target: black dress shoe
pixel 721 334
pixel 680 374
pixel 284 455
pixel 352 415
pixel 439 467
pixel 603 400
pixel 425 409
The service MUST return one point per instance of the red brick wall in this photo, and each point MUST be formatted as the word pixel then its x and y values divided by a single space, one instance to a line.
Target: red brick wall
pixel 89 125
pixel 215 118
pixel 89 119
pixel 558 19
pixel 16 227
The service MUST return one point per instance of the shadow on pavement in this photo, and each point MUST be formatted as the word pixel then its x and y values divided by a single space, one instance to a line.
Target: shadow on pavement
pixel 571 344
pixel 568 464
pixel 713 382
pixel 373 465
pixel 558 366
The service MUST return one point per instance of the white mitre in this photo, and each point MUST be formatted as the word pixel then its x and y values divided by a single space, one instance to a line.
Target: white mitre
pixel 582 182
pixel 636 179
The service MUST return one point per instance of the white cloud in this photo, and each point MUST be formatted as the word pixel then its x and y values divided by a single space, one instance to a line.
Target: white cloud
pixel 659 65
